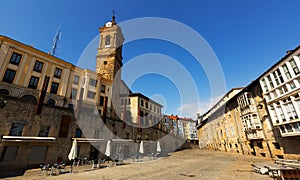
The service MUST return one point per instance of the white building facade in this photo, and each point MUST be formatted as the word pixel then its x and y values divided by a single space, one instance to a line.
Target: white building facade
pixel 280 85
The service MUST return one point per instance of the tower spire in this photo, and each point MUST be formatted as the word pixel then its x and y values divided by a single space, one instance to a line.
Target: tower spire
pixel 113 17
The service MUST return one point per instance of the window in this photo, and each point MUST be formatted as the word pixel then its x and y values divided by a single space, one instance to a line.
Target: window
pixel 274 94
pixel 282 129
pixel 9 153
pixel 4 92
pixel 107 40
pixel 51 102
pixel 296 127
pixel 281 113
pixel 93 82
pixel 232 130
pixel 294 66
pixel 103 88
pixel 54 87
pixel 292 84
pixel 29 98
pixel 33 83
pixel 249 99
pixel 284 88
pixel 288 128
pixel 276 145
pixel 9 76
pixel 142 102
pixel 269 96
pixel 101 100
pixel 226 131
pixel 91 94
pixel 76 79
pixel 274 114
pixel 270 81
pixel 71 106
pixel 16 129
pixel 57 72
pixel 73 93
pixel 44 131
pixel 286 72
pixel 260 145
pixel 264 84
pixel 147 105
pixel 150 107
pixel 15 58
pixel 278 77
pixel 78 133
pixel 38 66
pixel 291 111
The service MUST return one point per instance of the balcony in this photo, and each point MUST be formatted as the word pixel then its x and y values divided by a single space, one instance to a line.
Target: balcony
pixel 290 134
pixel 249 109
pixel 254 134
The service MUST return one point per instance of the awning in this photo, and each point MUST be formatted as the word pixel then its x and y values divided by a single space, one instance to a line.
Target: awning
pixel 122 141
pixel 88 140
pixel 27 139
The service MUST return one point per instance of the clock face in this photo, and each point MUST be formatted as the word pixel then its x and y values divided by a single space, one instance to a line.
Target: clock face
pixel 108 24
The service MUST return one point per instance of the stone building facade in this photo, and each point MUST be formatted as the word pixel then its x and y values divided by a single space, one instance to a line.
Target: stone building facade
pixel 266 114
pixel 28 139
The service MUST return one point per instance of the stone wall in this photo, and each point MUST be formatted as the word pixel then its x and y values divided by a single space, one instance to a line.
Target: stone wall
pixel 22 111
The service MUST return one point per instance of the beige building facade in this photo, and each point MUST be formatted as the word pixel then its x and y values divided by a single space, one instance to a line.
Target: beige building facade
pixel 79 104
pixel 265 115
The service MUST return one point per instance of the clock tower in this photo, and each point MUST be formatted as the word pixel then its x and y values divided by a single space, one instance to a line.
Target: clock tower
pixel 109 54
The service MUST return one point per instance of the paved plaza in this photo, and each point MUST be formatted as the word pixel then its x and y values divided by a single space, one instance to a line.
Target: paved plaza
pixel 186 164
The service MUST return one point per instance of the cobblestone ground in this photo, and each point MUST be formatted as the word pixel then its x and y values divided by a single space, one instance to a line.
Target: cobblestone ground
pixel 187 164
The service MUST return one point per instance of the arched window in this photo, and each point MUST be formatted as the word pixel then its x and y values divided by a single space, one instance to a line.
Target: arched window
pixel 29 98
pixel 71 106
pixel 107 40
pixel 4 92
pixel 51 102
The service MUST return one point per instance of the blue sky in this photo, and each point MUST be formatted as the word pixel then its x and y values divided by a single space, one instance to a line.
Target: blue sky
pixel 247 37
